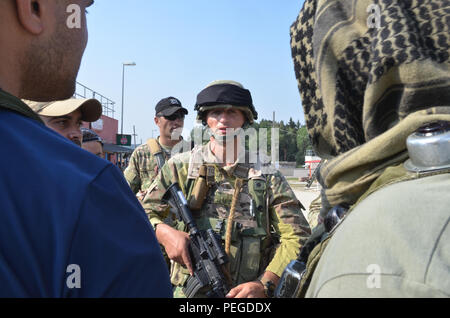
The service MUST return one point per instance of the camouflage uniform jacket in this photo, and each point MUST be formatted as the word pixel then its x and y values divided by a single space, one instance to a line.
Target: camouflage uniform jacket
pixel 284 210
pixel 143 167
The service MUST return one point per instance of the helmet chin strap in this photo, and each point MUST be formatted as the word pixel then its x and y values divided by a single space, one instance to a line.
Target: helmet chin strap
pixel 223 139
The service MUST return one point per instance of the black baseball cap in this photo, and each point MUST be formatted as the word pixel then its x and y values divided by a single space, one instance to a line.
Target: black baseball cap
pixel 89 135
pixel 169 106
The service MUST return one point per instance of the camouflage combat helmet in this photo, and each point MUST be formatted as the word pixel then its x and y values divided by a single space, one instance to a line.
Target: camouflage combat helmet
pixel 219 94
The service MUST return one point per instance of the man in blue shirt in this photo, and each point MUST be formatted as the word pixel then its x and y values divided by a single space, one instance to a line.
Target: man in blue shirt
pixel 69 224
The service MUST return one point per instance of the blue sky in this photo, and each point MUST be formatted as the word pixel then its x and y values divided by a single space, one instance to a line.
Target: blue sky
pixel 180 46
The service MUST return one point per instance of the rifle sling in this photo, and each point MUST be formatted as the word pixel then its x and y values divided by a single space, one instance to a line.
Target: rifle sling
pixel 157 152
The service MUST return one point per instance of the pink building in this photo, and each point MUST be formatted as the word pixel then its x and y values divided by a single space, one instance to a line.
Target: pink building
pixel 106 127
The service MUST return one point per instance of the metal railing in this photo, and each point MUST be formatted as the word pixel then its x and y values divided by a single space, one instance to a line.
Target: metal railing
pixel 108 105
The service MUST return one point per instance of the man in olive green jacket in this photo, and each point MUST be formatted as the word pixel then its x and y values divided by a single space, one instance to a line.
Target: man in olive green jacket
pixel 375 81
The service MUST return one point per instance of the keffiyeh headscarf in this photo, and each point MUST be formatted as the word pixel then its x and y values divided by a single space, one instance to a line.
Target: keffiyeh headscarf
pixel 370 73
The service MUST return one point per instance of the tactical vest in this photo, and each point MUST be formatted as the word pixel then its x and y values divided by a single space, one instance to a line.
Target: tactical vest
pixel 252 240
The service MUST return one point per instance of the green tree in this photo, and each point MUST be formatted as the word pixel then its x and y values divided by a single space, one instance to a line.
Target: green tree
pixel 293 139
pixel 292 124
pixel 303 144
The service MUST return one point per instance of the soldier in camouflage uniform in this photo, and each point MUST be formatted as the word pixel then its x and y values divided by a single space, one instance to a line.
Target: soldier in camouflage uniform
pixel 143 168
pixel 268 227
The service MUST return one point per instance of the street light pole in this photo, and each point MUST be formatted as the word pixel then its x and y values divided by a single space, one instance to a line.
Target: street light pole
pixel 134 135
pixel 123 89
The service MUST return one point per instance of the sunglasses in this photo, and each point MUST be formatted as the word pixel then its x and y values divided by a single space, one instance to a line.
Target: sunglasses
pixel 175 117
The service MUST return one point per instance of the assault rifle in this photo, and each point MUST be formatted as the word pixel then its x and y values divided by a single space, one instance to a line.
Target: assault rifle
pixel 205 250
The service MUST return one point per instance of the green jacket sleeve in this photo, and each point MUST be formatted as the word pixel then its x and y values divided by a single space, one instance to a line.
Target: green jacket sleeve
pixel 132 173
pixel 174 170
pixel 287 219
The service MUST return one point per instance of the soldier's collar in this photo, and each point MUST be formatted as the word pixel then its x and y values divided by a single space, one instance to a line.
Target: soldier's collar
pixel 167 148
pixel 210 157
pixel 240 168
pixel 12 103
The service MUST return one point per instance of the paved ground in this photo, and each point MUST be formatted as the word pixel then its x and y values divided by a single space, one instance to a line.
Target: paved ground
pixel 306 196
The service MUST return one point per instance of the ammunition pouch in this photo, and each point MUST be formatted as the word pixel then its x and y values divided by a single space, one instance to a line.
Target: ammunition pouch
pixel 203 183
pixel 247 248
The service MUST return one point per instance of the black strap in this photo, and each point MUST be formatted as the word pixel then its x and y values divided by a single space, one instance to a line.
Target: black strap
pixel 156 150
pixel 160 160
